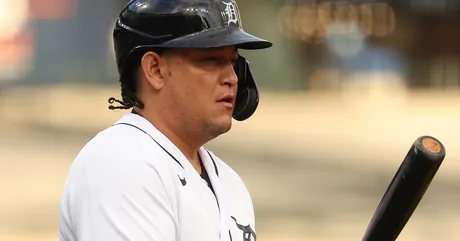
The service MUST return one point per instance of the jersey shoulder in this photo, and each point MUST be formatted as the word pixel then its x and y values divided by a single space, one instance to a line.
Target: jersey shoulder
pixel 113 141
pixel 111 170
pixel 118 146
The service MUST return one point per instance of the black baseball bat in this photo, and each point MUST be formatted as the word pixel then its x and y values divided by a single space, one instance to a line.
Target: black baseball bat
pixel 406 189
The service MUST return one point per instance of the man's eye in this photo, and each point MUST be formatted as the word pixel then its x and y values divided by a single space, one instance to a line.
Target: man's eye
pixel 211 59
pixel 219 60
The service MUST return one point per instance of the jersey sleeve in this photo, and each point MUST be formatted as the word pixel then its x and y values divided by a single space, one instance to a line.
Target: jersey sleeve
pixel 118 197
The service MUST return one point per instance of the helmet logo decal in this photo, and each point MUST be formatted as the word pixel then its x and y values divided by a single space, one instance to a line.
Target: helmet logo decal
pixel 230 14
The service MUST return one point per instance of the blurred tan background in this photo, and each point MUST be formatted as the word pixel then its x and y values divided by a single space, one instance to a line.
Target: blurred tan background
pixel 345 91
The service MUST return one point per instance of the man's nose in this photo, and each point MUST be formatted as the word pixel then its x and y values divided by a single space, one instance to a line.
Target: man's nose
pixel 231 78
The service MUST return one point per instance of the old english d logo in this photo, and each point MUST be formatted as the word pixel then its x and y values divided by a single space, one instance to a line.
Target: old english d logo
pixel 230 13
pixel 248 233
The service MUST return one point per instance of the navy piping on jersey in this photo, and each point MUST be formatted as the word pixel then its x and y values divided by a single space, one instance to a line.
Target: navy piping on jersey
pixel 204 170
pixel 135 112
pixel 213 162
pixel 153 140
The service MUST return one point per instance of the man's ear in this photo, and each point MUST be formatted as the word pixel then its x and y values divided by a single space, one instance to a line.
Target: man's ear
pixel 151 68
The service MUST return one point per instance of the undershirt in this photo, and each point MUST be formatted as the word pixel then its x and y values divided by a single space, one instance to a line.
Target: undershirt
pixel 205 176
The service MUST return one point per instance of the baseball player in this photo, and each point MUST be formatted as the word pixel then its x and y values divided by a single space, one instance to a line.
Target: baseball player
pixel 148 177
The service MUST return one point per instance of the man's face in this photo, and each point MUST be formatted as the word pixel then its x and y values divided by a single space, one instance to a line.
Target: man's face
pixel 201 87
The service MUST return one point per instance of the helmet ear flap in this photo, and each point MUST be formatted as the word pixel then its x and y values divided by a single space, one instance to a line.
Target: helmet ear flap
pixel 247 98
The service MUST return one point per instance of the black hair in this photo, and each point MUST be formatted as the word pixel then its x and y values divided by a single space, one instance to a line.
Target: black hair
pixel 129 82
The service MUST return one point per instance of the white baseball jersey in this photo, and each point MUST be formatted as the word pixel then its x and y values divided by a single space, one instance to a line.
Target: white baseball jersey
pixel 130 182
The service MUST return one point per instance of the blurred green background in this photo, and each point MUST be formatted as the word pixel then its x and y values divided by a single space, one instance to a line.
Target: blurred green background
pixel 345 91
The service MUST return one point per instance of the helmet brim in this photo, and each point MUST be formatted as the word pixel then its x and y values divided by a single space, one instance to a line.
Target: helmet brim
pixel 214 38
pixel 219 38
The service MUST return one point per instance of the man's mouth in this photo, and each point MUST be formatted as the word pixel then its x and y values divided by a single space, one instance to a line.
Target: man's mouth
pixel 227 100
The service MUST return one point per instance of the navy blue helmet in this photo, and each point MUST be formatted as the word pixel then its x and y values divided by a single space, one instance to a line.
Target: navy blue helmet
pixel 155 24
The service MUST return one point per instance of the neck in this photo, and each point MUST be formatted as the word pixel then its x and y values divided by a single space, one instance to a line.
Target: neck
pixel 185 142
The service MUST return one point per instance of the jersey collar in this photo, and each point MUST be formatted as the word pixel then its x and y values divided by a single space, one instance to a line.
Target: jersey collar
pixel 137 121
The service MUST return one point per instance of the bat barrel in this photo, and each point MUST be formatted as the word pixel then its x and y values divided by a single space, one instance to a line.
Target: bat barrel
pixel 406 189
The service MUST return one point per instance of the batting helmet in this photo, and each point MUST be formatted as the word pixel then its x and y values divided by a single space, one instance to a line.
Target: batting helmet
pixel 156 24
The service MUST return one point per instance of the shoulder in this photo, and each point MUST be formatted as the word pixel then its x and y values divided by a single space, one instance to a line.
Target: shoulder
pixel 115 177
pixel 118 139
pixel 117 142
pixel 115 163
pixel 116 152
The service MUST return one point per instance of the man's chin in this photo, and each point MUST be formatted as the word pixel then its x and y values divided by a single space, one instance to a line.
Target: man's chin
pixel 225 126
pixel 222 126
